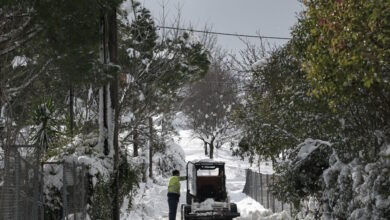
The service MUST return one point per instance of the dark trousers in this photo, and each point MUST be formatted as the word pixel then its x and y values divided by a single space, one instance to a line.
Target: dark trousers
pixel 173 201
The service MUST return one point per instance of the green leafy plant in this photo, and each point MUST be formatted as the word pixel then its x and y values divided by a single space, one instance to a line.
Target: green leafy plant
pixel 45 130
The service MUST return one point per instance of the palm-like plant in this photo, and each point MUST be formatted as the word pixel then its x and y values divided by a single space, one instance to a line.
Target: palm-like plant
pixel 45 130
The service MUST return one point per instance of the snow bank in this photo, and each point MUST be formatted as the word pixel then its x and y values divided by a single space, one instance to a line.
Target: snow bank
pixel 251 209
pixel 149 201
pixel 277 216
pixel 208 205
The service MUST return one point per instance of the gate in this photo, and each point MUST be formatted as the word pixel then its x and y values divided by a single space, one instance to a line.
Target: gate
pixel 21 192
pixel 74 190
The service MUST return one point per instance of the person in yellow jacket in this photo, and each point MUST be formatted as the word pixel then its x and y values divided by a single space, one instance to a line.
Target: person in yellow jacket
pixel 174 193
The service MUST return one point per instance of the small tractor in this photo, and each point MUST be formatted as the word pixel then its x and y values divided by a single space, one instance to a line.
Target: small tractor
pixel 207 198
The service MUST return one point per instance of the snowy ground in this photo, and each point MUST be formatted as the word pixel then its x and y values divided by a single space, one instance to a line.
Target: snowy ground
pixel 150 201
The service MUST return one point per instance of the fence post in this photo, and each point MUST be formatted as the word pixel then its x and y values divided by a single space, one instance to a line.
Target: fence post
pixel 267 183
pixel 17 170
pixel 245 190
pixel 261 189
pixel 273 203
pixel 83 191
pixel 273 197
pixel 36 190
pixel 257 186
pixel 64 191
pixel 42 198
pixel 74 189
pixel 254 185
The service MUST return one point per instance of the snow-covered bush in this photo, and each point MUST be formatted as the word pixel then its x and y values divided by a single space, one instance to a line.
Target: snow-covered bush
pixel 309 209
pixel 320 184
pixel 300 174
pixel 172 158
pixel 357 190
pixel 100 207
pixel 100 177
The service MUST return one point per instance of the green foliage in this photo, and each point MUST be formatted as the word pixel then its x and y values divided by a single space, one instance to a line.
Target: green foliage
pixel 331 82
pixel 279 110
pixel 53 206
pixel 154 69
pixel 45 132
pixel 102 198
pixel 301 178
pixel 344 46
pixel 71 29
pixel 128 179
pixel 143 33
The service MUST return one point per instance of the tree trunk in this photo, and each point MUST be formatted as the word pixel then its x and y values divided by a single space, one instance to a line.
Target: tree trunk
pixel 113 55
pixel 135 131
pixel 105 121
pixel 211 144
pixel 151 147
pixel 135 141
pixel 103 125
pixel 211 150
pixel 71 112
pixel 205 148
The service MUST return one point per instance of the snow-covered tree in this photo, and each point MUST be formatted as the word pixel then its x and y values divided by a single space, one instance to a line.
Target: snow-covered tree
pixel 154 69
pixel 209 105
pixel 327 85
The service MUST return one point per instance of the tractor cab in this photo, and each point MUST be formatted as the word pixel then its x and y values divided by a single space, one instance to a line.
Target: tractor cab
pixel 207 196
pixel 206 179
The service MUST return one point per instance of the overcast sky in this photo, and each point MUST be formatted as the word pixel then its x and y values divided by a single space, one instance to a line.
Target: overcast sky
pixel 267 17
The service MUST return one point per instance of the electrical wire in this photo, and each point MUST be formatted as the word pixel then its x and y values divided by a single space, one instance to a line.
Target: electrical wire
pixel 224 33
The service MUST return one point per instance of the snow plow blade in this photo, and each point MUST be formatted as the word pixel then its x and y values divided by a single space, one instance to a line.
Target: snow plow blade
pixel 211 216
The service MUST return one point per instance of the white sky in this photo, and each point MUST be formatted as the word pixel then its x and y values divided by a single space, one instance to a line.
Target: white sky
pixel 267 17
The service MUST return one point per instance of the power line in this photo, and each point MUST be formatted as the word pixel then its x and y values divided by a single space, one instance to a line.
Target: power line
pixel 224 33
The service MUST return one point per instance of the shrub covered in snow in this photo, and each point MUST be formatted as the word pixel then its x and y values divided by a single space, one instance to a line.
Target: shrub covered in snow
pixel 320 184
pixel 100 177
pixel 300 174
pixel 356 190
pixel 172 158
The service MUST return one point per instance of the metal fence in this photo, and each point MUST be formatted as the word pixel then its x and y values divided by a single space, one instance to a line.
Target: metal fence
pixel 74 193
pixel 21 194
pixel 257 187
pixel 22 181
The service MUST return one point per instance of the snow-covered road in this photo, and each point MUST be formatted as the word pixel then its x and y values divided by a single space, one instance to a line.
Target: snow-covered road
pixel 150 203
pixel 235 173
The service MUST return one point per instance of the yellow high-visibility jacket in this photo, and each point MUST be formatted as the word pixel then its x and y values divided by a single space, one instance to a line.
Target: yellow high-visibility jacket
pixel 174 184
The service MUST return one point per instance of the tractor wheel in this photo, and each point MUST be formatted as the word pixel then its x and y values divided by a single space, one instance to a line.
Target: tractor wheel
pixel 233 208
pixel 186 209
pixel 188 198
